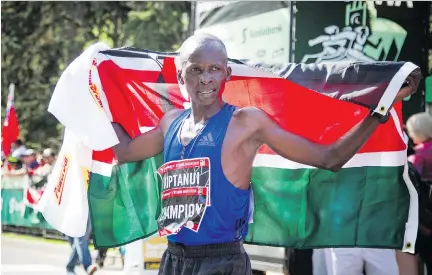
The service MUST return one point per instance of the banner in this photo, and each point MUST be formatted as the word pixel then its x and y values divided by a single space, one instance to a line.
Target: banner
pixel 258 31
pixel 16 212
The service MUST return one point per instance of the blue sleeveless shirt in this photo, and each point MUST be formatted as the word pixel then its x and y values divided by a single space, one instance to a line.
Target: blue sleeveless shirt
pixel 226 219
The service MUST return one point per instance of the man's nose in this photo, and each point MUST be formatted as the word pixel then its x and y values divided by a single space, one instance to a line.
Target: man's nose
pixel 205 78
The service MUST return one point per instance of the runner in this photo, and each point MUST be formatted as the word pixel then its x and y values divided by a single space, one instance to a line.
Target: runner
pixel 209 149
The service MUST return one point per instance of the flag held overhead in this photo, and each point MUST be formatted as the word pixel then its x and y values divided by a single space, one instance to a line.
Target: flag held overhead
pixel 368 203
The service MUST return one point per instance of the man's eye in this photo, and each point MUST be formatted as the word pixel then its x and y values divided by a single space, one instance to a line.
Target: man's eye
pixel 195 70
pixel 215 69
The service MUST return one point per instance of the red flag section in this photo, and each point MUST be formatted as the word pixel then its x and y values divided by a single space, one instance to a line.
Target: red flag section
pixel 138 98
pixel 10 129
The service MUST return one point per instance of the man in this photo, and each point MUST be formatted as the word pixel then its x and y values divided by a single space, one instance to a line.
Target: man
pixel 419 128
pixel 81 253
pixel 18 148
pixel 41 175
pixel 222 141
pixel 49 156
pixel 29 159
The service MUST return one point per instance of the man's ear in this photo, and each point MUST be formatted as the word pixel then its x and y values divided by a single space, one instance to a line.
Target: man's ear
pixel 229 71
pixel 180 77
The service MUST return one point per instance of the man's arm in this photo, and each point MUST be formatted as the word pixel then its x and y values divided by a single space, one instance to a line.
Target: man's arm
pixel 144 146
pixel 301 150
pixel 331 157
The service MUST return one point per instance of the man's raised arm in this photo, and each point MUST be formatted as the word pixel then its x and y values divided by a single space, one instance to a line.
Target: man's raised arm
pixel 301 150
pixel 143 146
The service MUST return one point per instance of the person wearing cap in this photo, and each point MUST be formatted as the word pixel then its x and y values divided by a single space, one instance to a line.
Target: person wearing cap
pixel 18 148
pixel 42 173
pixel 49 156
pixel 29 159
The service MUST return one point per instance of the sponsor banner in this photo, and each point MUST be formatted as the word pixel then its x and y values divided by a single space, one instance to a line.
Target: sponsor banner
pixel 16 182
pixel 15 211
pixel 260 32
pixel 366 31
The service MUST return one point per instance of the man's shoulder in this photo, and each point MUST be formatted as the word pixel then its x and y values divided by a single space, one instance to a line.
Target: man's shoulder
pixel 249 113
pixel 251 119
pixel 173 114
pixel 168 118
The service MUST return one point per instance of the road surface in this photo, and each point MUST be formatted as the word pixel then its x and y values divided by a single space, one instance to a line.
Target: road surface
pixel 33 256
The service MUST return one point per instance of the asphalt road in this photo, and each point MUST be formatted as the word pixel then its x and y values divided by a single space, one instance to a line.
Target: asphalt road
pixel 23 256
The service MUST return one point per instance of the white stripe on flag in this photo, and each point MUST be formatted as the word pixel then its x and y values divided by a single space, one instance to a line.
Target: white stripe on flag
pixel 387 159
pixel 393 88
pixel 102 168
pixel 132 63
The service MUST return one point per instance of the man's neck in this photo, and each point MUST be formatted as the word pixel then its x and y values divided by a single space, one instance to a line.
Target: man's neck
pixel 201 113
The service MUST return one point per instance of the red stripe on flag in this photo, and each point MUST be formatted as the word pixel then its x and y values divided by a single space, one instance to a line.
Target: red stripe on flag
pixel 297 109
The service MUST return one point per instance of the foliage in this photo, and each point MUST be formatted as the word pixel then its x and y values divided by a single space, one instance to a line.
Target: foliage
pixel 39 40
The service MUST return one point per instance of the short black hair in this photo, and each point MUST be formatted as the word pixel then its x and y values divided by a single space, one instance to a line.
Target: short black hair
pixel 18 142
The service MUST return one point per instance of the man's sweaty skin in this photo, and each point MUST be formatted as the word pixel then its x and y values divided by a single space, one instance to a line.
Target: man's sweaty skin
pixel 204 72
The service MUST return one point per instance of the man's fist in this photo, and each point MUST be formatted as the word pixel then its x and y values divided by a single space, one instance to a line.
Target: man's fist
pixel 410 85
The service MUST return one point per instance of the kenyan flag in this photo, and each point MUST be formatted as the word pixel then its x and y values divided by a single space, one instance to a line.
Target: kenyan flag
pixel 369 203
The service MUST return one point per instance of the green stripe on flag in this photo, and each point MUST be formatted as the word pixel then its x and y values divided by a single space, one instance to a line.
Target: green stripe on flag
pixel 125 206
pixel 363 206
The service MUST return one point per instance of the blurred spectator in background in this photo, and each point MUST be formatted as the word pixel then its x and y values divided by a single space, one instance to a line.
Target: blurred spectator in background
pixel 18 148
pixel 29 159
pixel 40 176
pixel 419 128
pixel 49 156
pixel 81 253
pixel 14 163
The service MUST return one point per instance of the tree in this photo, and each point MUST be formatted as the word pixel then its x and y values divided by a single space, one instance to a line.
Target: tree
pixel 39 40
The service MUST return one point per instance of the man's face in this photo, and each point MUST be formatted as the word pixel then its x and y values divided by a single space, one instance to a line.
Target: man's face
pixel 49 159
pixel 204 74
pixel 29 159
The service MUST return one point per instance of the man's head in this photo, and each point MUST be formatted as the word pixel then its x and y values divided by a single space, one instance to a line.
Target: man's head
pixel 203 68
pixel 29 156
pixel 17 143
pixel 419 127
pixel 49 156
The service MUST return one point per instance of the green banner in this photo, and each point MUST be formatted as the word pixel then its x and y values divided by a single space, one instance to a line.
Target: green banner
pixel 16 212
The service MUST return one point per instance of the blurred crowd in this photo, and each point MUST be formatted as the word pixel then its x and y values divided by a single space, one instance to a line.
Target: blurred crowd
pixel 26 161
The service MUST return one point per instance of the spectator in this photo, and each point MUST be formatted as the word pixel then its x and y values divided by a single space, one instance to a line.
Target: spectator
pixel 18 148
pixel 29 159
pixel 41 175
pixel 420 130
pixel 81 253
pixel 49 156
pixel 15 168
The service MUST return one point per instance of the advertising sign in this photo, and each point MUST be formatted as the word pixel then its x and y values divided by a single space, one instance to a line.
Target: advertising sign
pixel 364 31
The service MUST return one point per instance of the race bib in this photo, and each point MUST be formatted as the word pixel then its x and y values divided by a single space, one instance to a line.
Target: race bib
pixel 185 194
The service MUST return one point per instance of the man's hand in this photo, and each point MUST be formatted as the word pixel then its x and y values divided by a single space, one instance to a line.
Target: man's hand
pixel 410 85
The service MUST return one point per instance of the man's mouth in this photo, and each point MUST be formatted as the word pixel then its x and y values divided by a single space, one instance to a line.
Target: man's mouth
pixel 206 92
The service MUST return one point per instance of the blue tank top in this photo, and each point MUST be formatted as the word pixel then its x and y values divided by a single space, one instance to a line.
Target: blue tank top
pixel 226 219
